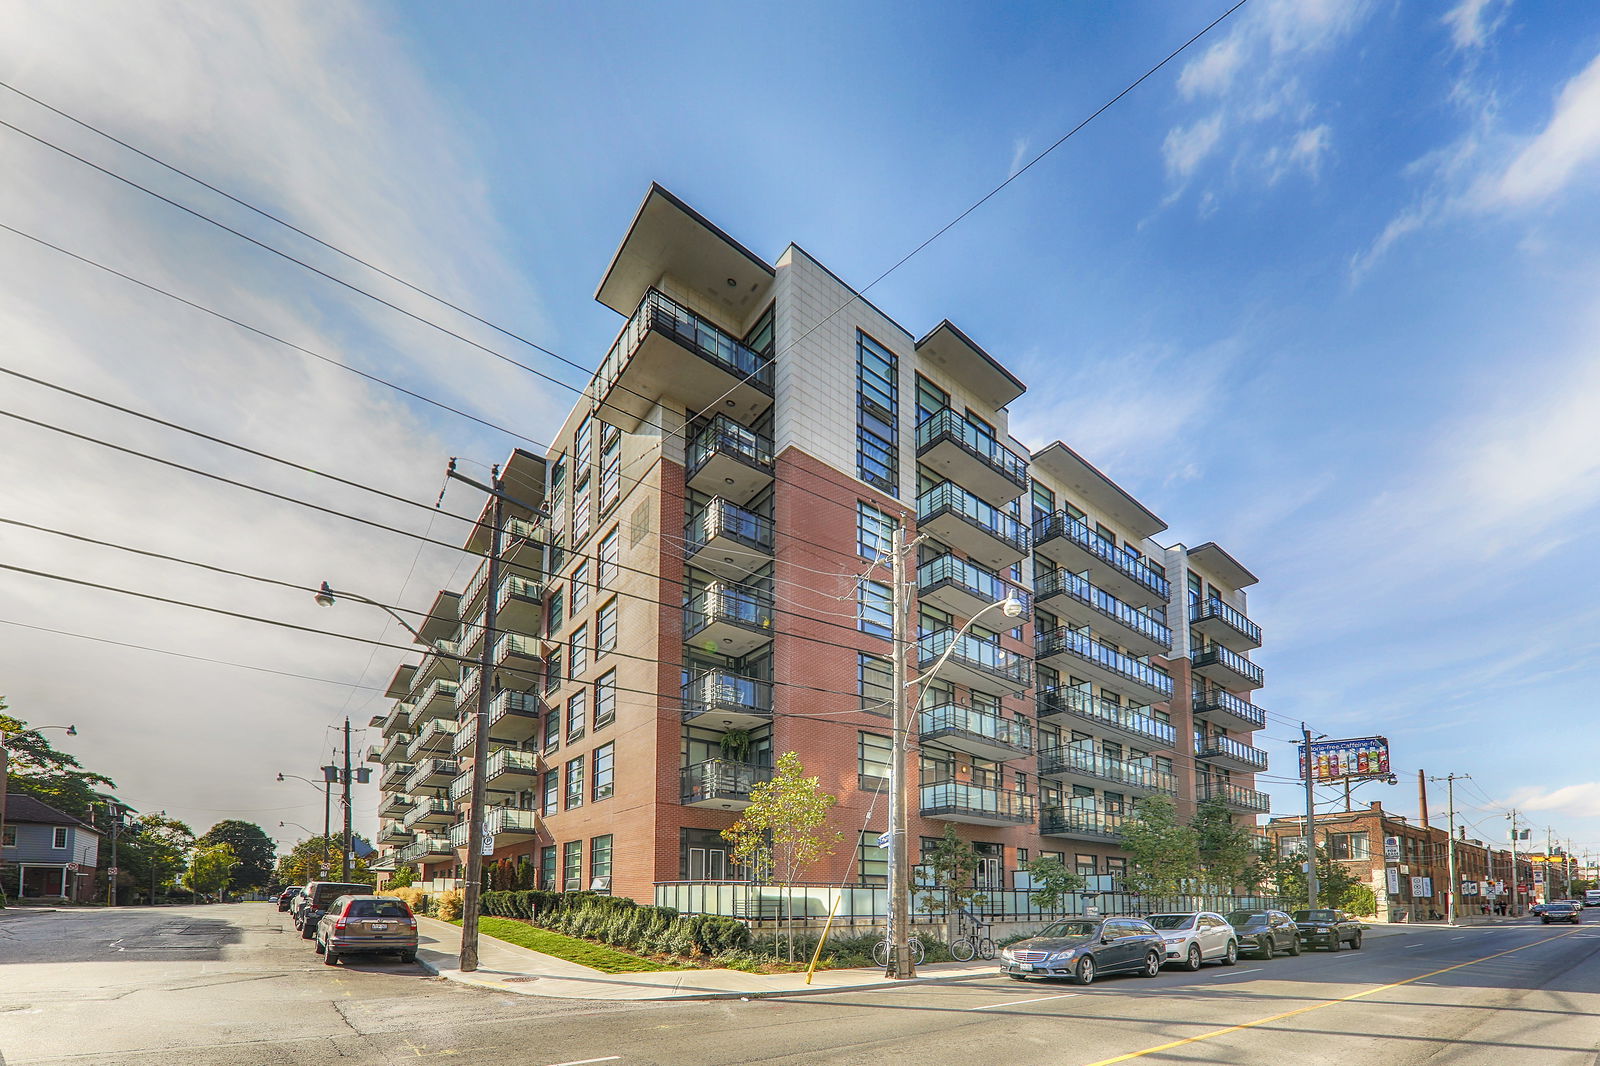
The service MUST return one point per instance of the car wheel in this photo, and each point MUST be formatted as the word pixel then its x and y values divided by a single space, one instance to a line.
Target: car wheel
pixel 1355 943
pixel 1294 946
pixel 307 932
pixel 1335 943
pixel 329 958
pixel 408 956
pixel 1264 947
pixel 1152 964
pixel 1543 920
pixel 1232 957
pixel 318 948
pixel 1083 973
pixel 1193 960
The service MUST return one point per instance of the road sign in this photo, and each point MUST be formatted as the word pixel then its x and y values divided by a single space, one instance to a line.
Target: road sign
pixel 883 840
pixel 112 871
pixel 1391 849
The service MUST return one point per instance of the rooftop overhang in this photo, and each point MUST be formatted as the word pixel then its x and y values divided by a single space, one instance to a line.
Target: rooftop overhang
pixel 443 618
pixel 1219 564
pixel 670 239
pixel 1078 475
pixel 523 477
pixel 400 683
pixel 952 351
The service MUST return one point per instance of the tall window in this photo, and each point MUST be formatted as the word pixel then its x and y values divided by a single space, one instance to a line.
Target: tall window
pixel 581 455
pixel 875 609
pixel 610 467
pixel 877 415
pixel 875 682
pixel 547 868
pixel 1044 501
pixel 552 671
pixel 552 729
pixel 604 784
pixel 572 866
pixel 580 509
pixel 580 588
pixel 871 860
pixel 600 856
pixel 555 615
pixel 577 712
pixel 607 554
pixel 552 792
pixel 605 699
pixel 575 782
pixel 580 651
pixel 931 399
pixel 874 531
pixel 873 755
pixel 606 628
pixel 556 493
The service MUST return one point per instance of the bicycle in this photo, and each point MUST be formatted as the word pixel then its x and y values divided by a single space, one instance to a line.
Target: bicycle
pixel 880 951
pixel 963 948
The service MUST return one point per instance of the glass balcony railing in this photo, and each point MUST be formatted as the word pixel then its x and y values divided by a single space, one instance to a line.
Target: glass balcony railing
pixel 1214 745
pixel 723 519
pixel 721 779
pixel 947 425
pixel 958 799
pixel 722 435
pixel 726 602
pixel 425 847
pixel 1085 647
pixel 949 498
pixel 1064 699
pixel 1237 796
pixel 1131 566
pixel 665 315
pixel 975 654
pixel 970 578
pixel 1072 759
pixel 1218 655
pixel 1080 821
pixel 719 690
pixel 1215 608
pixel 1065 582
pixel 952 718
pixel 510 761
pixel 1207 699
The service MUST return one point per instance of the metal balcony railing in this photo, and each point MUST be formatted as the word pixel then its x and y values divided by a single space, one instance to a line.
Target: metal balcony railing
pixel 725 436
pixel 976 654
pixel 721 518
pixel 954 718
pixel 727 602
pixel 948 497
pixel 1061 524
pixel 719 689
pixel 717 779
pixel 510 760
pixel 659 312
pixel 1084 646
pixel 1214 744
pixel 1069 758
pixel 959 798
pixel 1217 654
pixel 1237 796
pixel 1215 699
pixel 1081 821
pixel 1064 699
pixel 1215 608
pixel 971 578
pixel 1067 583
pixel 947 425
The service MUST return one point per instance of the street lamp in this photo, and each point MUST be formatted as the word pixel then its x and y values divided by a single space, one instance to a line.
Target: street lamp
pixel 5 761
pixel 327 803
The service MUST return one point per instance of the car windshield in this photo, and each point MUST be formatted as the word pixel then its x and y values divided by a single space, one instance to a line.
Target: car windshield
pixel 1171 921
pixel 1069 928
pixel 1247 917
pixel 1315 916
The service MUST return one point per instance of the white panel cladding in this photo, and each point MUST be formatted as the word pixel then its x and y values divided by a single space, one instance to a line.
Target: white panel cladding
pixel 1176 559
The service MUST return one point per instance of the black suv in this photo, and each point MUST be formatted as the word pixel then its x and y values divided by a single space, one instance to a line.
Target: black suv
pixel 1562 910
pixel 1329 929
pixel 1265 932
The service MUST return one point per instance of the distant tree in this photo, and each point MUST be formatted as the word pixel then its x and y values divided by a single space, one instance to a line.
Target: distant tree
pixel 1052 881
pixel 1287 875
pixel 255 850
pixel 403 877
pixel 305 862
pixel 210 869
pixel 1360 899
pixel 37 769
pixel 1226 849
pixel 151 852
pixel 1163 856
pixel 784 829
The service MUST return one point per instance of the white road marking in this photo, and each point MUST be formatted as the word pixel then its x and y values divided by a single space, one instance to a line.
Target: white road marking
pixel 1411 946
pixel 1458 938
pixel 1019 1002
pixel 1235 973
pixel 583 1062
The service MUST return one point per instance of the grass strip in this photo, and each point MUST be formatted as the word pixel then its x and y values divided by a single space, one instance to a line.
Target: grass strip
pixel 586 953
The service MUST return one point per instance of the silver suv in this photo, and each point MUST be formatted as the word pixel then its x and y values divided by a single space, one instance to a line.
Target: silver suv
pixel 1196 937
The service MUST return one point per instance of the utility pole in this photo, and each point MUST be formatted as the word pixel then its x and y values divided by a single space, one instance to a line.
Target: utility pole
pixel 345 866
pixel 1516 881
pixel 1450 848
pixel 900 961
pixel 1312 888
pixel 1549 853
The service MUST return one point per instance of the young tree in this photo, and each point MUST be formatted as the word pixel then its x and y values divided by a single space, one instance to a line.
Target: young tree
pixel 953 867
pixel 1052 881
pixel 151 852
pixel 784 829
pixel 255 850
pixel 36 769
pixel 1288 876
pixel 1163 856
pixel 210 869
pixel 402 877
pixel 1226 850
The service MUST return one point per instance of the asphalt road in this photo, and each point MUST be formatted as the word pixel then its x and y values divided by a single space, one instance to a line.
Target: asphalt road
pixel 235 985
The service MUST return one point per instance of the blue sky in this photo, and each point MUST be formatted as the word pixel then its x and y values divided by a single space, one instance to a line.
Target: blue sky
pixel 1321 290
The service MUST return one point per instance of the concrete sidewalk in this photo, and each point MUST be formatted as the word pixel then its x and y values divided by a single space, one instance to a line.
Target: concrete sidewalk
pixel 507 968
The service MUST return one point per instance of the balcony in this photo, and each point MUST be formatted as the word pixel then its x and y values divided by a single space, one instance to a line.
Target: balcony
pixel 514 717
pixel 976 528
pixel 1076 599
pixel 1221 624
pixel 394 777
pixel 427 849
pixel 505 825
pixel 718 699
pixel 519 653
pixel 430 814
pixel 395 749
pixel 521 547
pixel 963 588
pixel 1082 655
pixel 519 605
pixel 375 753
pixel 1072 545
pixel 967 455
pixel 728 460
pixel 433 738
pixel 438 700
pixel 668 351
pixel 975 663
pixel 1226 667
pixel 728 619
pixel 1237 797
pixel 435 664
pixel 432 773
pixel 979 733
pixel 1083 765
pixel 728 541
pixel 1224 709
pixel 1080 823
pixel 718 784
pixel 399 719
pixel 1227 753
pixel 955 801
pixel 1100 715
pixel 394 836
pixel 394 805
pixel 511 769
pixel 467 691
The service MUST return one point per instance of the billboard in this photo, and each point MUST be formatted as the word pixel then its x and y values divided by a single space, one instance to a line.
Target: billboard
pixel 1339 760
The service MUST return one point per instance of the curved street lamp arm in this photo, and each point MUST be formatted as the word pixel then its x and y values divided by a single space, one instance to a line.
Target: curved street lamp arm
pixel 328 594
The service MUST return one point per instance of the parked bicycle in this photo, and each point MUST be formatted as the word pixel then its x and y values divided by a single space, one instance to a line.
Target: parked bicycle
pixel 972 939
pixel 881 950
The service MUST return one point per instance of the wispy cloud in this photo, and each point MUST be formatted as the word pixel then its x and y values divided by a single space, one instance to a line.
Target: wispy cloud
pixel 1567 147
pixel 1473 22
pixel 1581 801
pixel 1186 147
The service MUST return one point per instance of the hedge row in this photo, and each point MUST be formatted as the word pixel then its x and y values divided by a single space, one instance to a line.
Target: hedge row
pixel 621 922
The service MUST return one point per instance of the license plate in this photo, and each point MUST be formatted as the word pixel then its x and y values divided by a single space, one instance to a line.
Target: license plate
pixel 379 927
pixel 1024 965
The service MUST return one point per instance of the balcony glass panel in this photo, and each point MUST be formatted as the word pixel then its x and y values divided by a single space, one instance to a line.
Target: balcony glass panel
pixel 947 425
pixel 1070 820
pixel 972 578
pixel 659 312
pixel 952 717
pixel 1086 647
pixel 722 434
pixel 1232 660
pixel 1070 758
pixel 1210 699
pixel 1065 582
pixel 719 779
pixel 1214 744
pixel 1061 524
pixel 1237 796
pixel 1063 699
pixel 949 497
pixel 977 654
pixel 955 797
pixel 718 689
pixel 723 602
pixel 721 518
pixel 1215 608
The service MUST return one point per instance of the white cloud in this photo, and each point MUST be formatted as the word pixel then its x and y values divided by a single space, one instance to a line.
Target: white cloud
pixel 1566 148
pixel 1580 801
pixel 1019 155
pixel 1304 153
pixel 1473 22
pixel 1214 70
pixel 1186 147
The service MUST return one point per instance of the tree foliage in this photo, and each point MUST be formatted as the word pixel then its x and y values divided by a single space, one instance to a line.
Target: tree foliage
pixel 305 861
pixel 1226 849
pixel 951 868
pixel 210 869
pixel 152 845
pixel 1163 856
pixel 402 877
pixel 1052 881
pixel 37 769
pixel 1287 875
pixel 255 850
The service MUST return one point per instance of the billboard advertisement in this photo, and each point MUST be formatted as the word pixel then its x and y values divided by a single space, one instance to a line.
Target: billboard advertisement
pixel 1339 760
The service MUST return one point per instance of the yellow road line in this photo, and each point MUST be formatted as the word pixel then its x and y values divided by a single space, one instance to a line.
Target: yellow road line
pixel 1315 1006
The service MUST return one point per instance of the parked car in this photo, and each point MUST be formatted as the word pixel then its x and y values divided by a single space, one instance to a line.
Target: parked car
pixel 367 925
pixel 1330 929
pixel 1537 908
pixel 313 903
pixel 1196 937
pixel 1084 948
pixel 1562 910
pixel 1265 932
pixel 287 897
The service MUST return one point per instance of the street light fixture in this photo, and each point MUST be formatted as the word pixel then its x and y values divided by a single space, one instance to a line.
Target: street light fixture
pixel 327 804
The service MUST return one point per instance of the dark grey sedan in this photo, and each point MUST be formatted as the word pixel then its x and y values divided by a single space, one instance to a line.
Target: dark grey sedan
pixel 1084 948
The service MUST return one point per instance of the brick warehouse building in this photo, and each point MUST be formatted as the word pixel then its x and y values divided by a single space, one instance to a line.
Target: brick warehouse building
pixel 689 595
